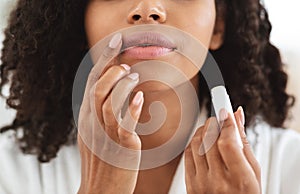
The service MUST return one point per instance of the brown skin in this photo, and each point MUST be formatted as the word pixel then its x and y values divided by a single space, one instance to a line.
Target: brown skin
pixel 225 168
pixel 99 177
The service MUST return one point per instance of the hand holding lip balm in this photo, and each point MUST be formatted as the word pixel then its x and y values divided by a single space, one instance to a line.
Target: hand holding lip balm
pixel 220 100
pixel 225 162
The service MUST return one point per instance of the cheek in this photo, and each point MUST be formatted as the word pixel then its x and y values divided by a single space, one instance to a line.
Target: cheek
pixel 99 24
pixel 200 23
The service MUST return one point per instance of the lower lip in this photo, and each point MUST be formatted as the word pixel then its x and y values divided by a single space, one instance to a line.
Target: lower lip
pixel 149 52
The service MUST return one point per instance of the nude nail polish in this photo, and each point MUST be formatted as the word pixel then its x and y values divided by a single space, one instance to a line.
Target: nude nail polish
pixel 134 76
pixel 223 114
pixel 126 67
pixel 138 98
pixel 242 118
pixel 115 41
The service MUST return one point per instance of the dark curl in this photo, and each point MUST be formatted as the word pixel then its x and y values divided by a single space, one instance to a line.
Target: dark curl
pixel 45 42
pixel 259 82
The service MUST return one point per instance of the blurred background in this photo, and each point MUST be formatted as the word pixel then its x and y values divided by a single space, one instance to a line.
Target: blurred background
pixel 284 16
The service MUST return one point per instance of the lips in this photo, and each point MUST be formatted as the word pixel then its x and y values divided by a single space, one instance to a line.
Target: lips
pixel 146 45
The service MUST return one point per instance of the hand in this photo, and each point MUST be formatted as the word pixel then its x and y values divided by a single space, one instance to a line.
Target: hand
pixel 225 167
pixel 101 127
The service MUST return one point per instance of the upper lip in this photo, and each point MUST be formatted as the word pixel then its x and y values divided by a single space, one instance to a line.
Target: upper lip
pixel 143 39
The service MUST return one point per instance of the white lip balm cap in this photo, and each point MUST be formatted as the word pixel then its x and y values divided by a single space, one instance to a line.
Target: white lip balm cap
pixel 220 99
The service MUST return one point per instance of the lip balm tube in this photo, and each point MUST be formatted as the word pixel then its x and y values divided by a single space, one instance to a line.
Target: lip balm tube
pixel 220 99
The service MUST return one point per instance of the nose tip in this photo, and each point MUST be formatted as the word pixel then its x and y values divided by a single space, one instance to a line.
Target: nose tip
pixel 147 14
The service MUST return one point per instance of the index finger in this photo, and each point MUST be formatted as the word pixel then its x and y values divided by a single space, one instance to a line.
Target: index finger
pixel 109 53
pixel 229 148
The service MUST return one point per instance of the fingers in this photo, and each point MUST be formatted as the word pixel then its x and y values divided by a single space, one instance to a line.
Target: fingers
pixel 105 84
pixel 94 84
pixel 214 159
pixel 114 85
pixel 109 53
pixel 200 163
pixel 224 160
pixel 126 132
pixel 229 148
pixel 113 88
pixel 112 112
pixel 240 118
pixel 189 163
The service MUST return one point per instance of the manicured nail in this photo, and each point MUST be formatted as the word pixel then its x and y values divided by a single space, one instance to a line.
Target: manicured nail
pixel 115 41
pixel 223 114
pixel 138 98
pixel 126 67
pixel 134 76
pixel 242 117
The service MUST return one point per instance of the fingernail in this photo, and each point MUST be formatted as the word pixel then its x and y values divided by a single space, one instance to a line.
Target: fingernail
pixel 115 41
pixel 134 76
pixel 242 116
pixel 223 114
pixel 126 67
pixel 138 98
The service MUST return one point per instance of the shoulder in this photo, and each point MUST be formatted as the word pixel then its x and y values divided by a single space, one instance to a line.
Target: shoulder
pixel 278 152
pixel 15 166
pixel 10 149
pixel 285 141
pixel 286 158
pixel 8 145
pixel 60 175
pixel 276 137
pixel 281 143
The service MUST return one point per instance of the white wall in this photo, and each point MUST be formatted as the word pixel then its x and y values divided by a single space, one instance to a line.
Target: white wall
pixel 6 115
pixel 284 16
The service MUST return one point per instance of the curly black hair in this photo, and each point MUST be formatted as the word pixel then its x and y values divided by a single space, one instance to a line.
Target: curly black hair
pixel 45 42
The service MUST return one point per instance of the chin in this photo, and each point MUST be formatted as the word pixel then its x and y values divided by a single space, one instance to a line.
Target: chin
pixel 152 87
pixel 175 64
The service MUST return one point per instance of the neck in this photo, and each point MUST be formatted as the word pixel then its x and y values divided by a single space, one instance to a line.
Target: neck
pixel 148 180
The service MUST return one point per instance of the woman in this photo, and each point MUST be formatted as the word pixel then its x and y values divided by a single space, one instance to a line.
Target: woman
pixel 44 44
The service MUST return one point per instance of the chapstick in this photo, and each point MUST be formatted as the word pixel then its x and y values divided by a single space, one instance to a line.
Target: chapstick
pixel 220 99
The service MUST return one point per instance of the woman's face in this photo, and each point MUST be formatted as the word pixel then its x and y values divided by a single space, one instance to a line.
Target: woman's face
pixel 196 17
